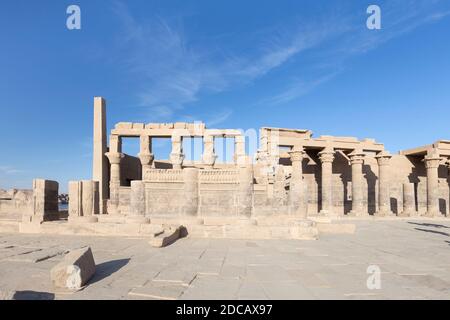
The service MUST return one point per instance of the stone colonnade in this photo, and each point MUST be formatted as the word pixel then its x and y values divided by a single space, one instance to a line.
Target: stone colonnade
pixel 298 195
pixel 356 157
pixel 146 156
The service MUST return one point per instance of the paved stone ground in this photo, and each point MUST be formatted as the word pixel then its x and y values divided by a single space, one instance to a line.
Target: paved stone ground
pixel 414 258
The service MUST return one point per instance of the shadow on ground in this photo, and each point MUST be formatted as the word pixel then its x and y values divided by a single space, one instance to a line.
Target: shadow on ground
pixel 106 269
pixel 433 225
pixel 33 295
pixel 433 231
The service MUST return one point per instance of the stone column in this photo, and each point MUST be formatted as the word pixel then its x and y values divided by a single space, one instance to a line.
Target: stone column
pixel 384 200
pixel 409 203
pixel 90 195
pixel 137 203
pixel 296 184
pixel 239 150
pixel 190 178
pixel 209 157
pixel 114 182
pixel 279 194
pixel 100 162
pixel 327 158
pixel 146 156
pixel 177 156
pixel 75 200
pixel 83 201
pixel 357 160
pixel 45 201
pixel 245 191
pixel 448 181
pixel 432 161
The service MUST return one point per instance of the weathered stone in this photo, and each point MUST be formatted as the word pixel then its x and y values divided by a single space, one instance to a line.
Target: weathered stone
pixel 167 237
pixel 77 267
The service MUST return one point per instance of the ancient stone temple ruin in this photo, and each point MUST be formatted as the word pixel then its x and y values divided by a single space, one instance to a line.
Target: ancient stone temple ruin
pixel 292 184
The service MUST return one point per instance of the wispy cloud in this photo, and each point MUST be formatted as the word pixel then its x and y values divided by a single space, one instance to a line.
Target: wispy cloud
pixel 219 118
pixel 398 18
pixel 174 71
pixel 298 89
pixel 9 170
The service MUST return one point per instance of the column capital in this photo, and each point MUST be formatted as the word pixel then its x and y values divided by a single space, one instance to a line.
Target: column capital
pixel 357 157
pixel 114 157
pixel 146 158
pixel 327 155
pixel 177 159
pixel 432 159
pixel 383 158
pixel 297 154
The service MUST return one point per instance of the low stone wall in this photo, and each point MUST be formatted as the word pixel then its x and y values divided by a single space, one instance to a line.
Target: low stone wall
pixel 14 203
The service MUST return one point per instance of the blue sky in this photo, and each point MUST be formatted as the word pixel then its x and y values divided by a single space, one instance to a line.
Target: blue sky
pixel 232 64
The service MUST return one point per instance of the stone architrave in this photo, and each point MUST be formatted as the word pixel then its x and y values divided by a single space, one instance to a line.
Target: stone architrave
pixel 327 157
pixel 384 202
pixel 432 161
pixel 357 160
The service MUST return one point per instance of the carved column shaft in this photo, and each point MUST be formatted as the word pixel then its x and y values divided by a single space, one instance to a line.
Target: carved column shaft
pixel 327 158
pixel 296 195
pixel 209 157
pixel 384 201
pixel 409 203
pixel 190 178
pixel 114 183
pixel 432 161
pixel 177 156
pixel 137 198
pixel 245 189
pixel 357 160
pixel 239 150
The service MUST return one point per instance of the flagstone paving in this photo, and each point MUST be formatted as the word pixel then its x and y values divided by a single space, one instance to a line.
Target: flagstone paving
pixel 413 257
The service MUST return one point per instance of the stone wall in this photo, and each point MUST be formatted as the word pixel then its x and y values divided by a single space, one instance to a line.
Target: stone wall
pixel 13 203
pixel 216 192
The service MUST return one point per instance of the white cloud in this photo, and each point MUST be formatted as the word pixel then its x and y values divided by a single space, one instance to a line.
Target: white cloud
pixel 398 18
pixel 174 71
pixel 10 170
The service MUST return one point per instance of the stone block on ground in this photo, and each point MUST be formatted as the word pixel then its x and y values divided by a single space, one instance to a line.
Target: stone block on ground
pixel 167 237
pixel 75 270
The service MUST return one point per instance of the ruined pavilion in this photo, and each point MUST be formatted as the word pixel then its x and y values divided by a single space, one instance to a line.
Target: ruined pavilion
pixel 294 181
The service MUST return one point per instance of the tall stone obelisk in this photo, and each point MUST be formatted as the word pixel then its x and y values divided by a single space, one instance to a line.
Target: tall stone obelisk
pixel 100 162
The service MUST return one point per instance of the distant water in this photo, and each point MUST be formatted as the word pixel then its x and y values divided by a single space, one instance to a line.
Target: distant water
pixel 63 206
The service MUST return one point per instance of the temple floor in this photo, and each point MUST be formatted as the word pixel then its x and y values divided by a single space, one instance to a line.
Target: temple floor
pixel 413 257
